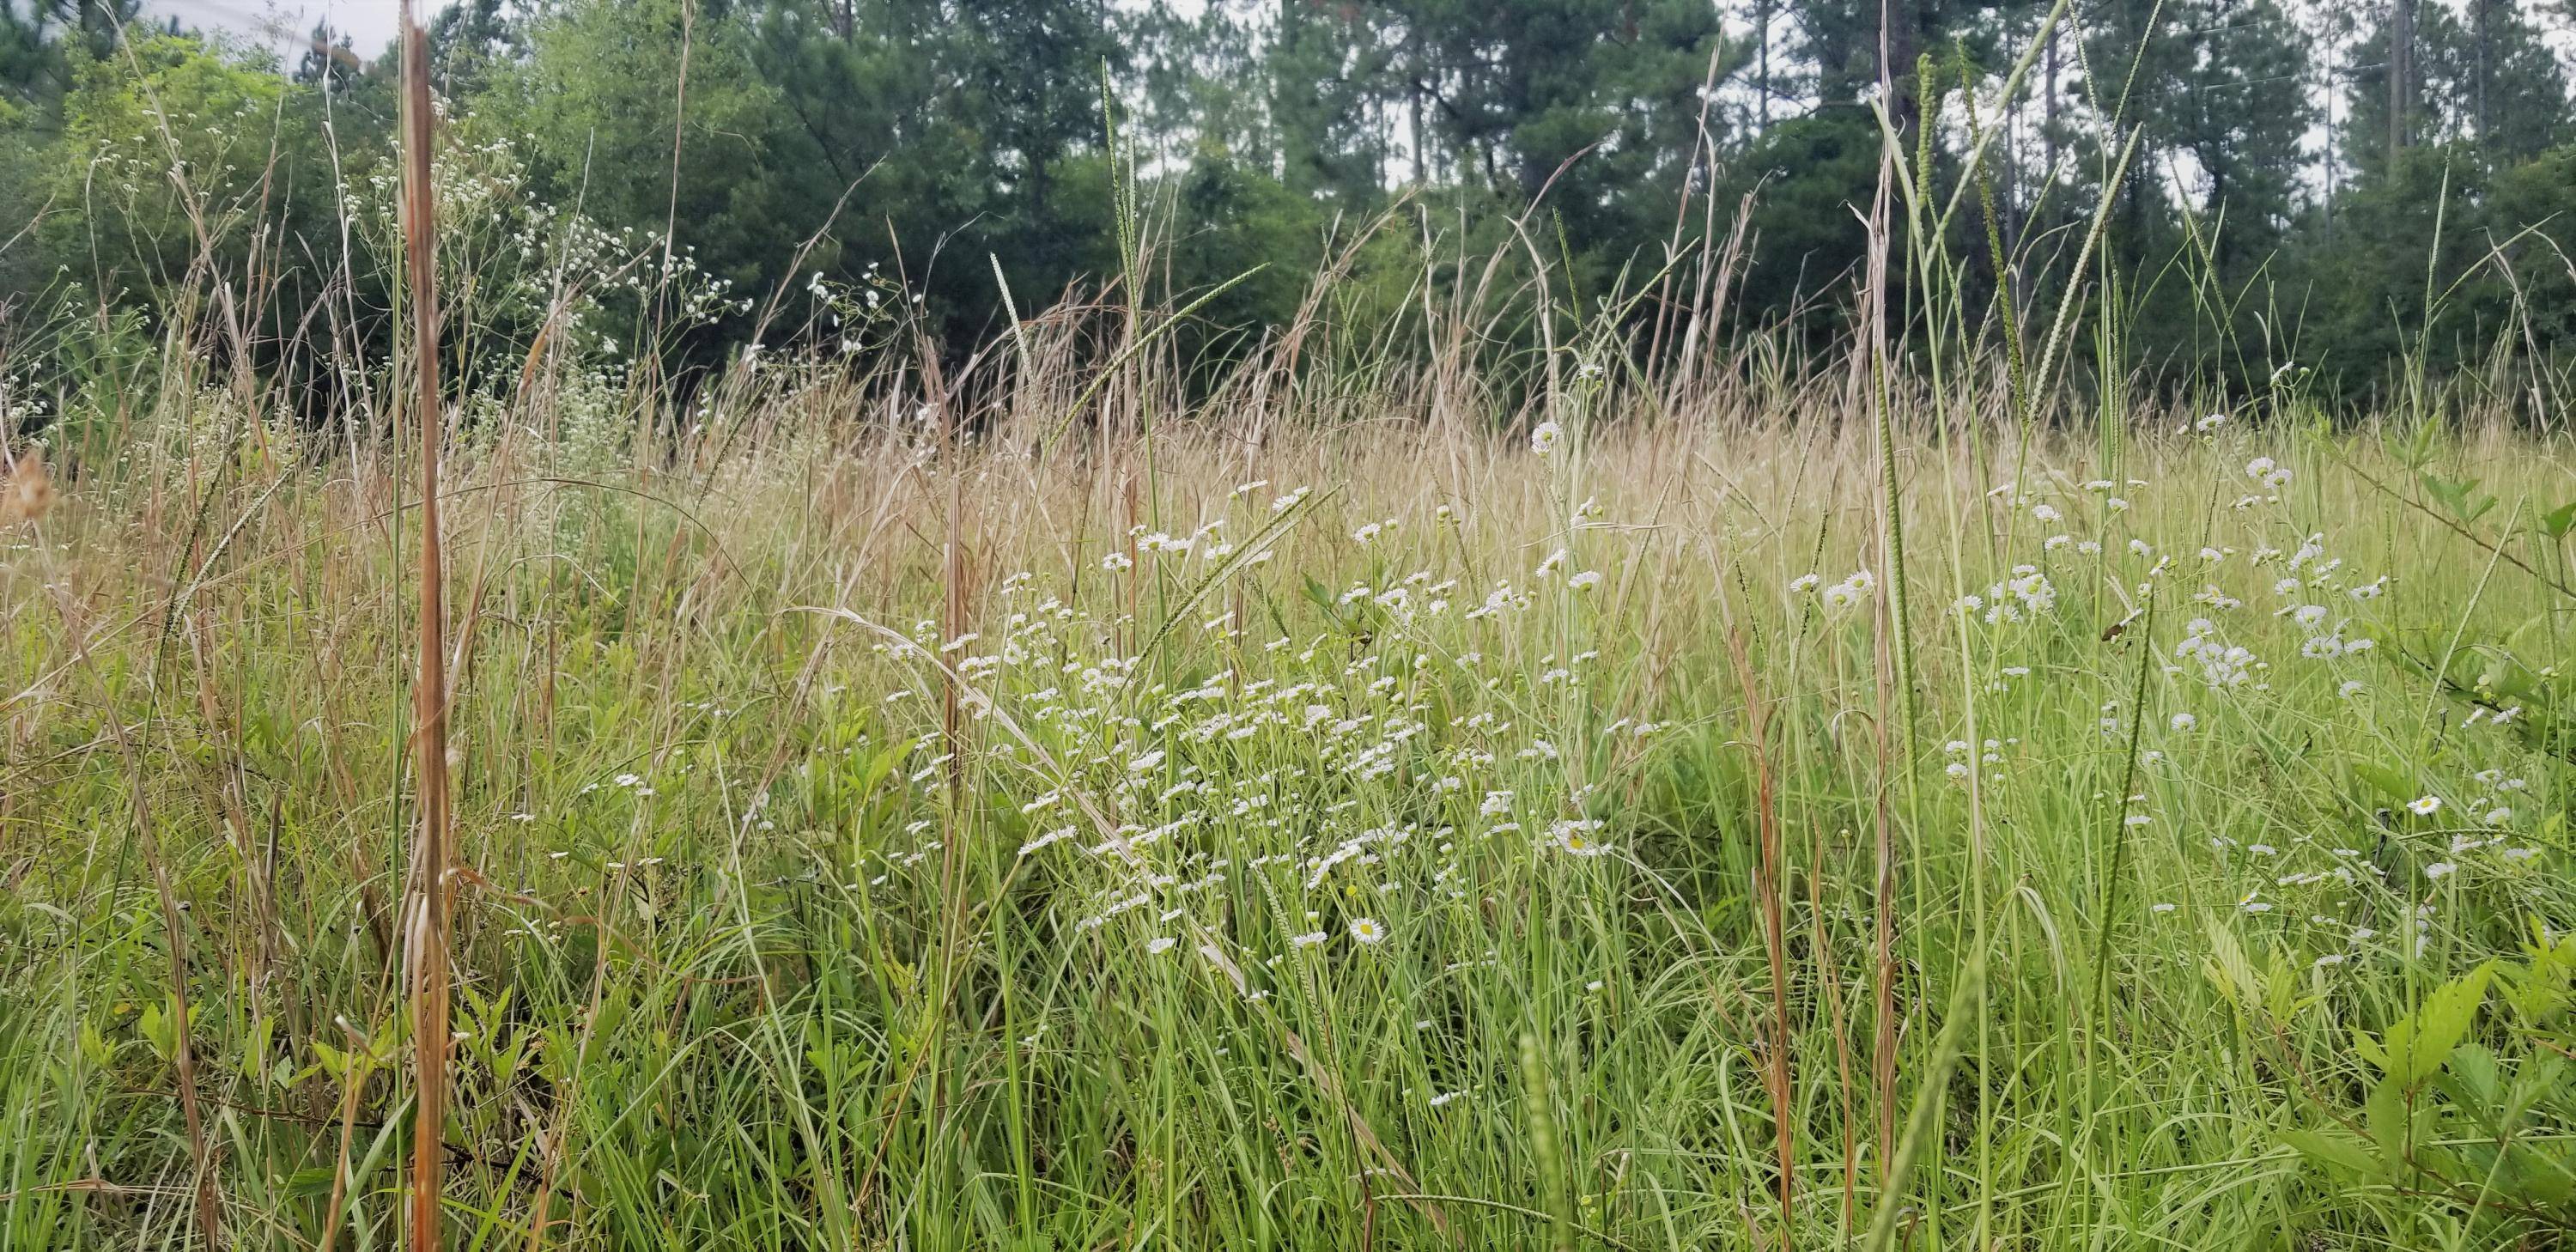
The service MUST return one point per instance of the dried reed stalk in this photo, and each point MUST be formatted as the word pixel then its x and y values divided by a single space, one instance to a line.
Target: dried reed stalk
pixel 425 929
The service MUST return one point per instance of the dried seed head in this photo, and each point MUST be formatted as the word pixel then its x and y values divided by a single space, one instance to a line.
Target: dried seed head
pixel 27 491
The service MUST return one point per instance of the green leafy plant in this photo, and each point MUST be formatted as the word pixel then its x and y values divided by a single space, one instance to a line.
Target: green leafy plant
pixel 2484 1119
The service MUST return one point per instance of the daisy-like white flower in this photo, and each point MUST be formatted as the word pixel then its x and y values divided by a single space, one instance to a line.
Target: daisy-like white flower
pixel 1805 583
pixel 1544 440
pixel 1367 930
pixel 1117 561
pixel 2424 806
pixel 1161 944
pixel 1585 581
pixel 2440 870
pixel 1058 835
pixel 1307 940
pixel 2185 723
pixel 1576 837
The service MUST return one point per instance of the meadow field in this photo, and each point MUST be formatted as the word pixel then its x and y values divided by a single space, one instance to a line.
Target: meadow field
pixel 534 748
pixel 1681 819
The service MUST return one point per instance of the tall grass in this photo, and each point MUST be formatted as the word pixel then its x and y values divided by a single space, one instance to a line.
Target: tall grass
pixel 1623 791
pixel 425 910
pixel 746 955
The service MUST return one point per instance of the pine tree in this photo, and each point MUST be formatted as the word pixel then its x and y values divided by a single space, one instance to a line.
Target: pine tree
pixel 38 38
pixel 2238 108
pixel 1328 81
pixel 2498 85
pixel 1521 90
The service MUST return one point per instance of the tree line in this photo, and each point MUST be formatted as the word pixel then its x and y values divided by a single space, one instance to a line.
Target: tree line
pixel 2330 189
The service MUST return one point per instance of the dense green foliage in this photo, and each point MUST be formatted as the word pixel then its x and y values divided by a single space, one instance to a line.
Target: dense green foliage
pixel 941 141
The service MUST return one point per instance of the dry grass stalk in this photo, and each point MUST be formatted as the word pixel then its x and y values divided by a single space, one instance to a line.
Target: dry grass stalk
pixel 425 928
pixel 1769 889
